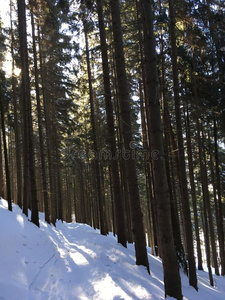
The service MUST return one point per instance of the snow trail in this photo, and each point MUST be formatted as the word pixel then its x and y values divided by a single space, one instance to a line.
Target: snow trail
pixel 74 262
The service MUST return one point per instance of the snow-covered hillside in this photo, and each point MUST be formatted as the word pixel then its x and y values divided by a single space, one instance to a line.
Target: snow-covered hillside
pixel 73 261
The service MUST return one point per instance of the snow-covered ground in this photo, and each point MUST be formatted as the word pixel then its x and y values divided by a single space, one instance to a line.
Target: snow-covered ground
pixel 73 261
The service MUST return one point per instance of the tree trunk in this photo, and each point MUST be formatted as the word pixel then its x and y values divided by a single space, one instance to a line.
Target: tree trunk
pixel 203 171
pixel 167 249
pixel 175 163
pixel 206 198
pixel 219 203
pixel 103 228
pixel 148 182
pixel 16 123
pixel 193 191
pixel 7 173
pixel 219 56
pixel 40 127
pixel 205 192
pixel 146 145
pixel 182 169
pixel 117 196
pixel 173 199
pixel 125 114
pixel 27 115
pixel 48 133
pixel 207 246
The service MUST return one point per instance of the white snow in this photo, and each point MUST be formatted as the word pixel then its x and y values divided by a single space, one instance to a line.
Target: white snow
pixel 73 261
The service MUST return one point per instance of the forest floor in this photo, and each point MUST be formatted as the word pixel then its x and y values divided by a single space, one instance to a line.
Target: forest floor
pixel 73 261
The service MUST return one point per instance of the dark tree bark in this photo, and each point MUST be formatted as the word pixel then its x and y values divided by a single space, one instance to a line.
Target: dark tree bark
pixel 147 171
pixel 27 115
pixel 49 129
pixel 146 144
pixel 219 202
pixel 103 228
pixel 82 205
pixel 206 199
pixel 173 199
pixel 175 163
pixel 58 181
pixel 204 176
pixel 207 243
pixel 125 114
pixel 29 179
pixel 26 179
pixel 7 173
pixel 167 249
pixel 213 182
pixel 16 123
pixel 219 53
pixel 182 169
pixel 193 191
pixel 40 126
pixel 122 168
pixel 117 196
pixel 204 182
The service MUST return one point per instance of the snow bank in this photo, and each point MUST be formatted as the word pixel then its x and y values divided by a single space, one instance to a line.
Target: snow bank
pixel 73 261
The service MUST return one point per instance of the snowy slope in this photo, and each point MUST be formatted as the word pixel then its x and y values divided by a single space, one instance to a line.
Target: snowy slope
pixel 73 261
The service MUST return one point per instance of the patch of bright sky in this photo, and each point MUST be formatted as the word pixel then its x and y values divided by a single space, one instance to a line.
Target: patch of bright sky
pixel 4 12
pixel 5 17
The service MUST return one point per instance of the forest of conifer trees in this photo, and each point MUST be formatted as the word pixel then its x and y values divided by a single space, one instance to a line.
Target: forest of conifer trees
pixel 113 112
